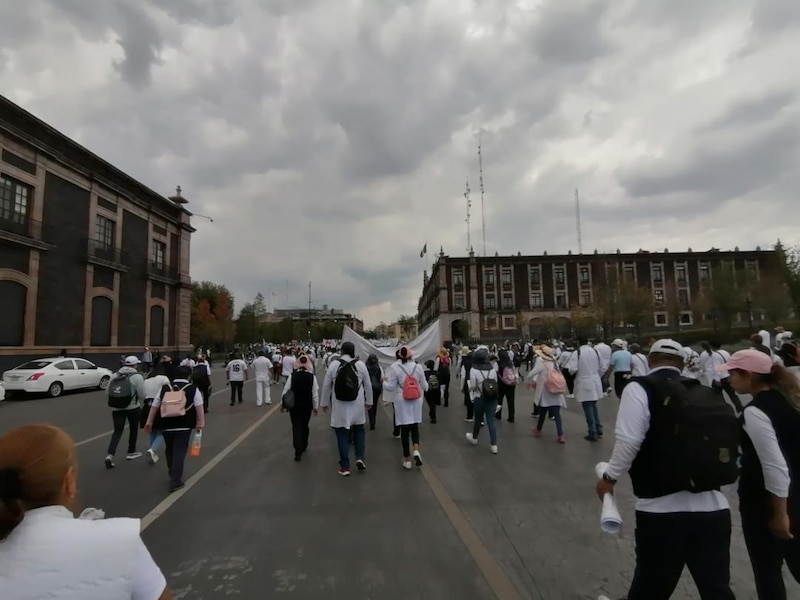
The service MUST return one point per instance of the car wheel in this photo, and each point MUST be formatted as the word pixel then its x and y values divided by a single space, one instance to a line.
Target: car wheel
pixel 104 382
pixel 55 389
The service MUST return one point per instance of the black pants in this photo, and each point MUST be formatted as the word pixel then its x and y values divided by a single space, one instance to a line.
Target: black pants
pixel 433 399
pixel 395 426
pixel 176 446
pixel 470 406
pixel 405 431
pixel 300 419
pixel 667 542
pixel 725 384
pixel 768 553
pixel 120 417
pixel 620 381
pixel 236 389
pixel 508 392
pixel 205 389
pixel 570 379
pixel 372 411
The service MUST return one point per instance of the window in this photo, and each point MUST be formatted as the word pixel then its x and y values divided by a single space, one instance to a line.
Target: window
pixel 705 271
pixel 559 275
pixel 488 277
pixel 657 273
pixel 104 232
pixel 491 302
pixel 661 319
pixel 583 274
pixel 506 276
pixel 680 274
pixel 686 318
pixel 14 197
pixel 586 298
pixel 628 272
pixel 65 365
pixel 458 301
pixel 159 253
pixel 535 276
pixel 84 364
pixel 561 300
pixel 509 322
pixel 458 278
pixel 508 301
pixel 536 300
pixel 490 322
pixel 751 270
pixel 658 296
pixel 683 297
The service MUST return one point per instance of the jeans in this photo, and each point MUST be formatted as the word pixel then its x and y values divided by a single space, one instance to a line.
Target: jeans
pixel 263 393
pixel 236 390
pixel 666 542
pixel 300 418
pixel 592 418
pixel 120 417
pixel 156 440
pixel 484 411
pixel 343 440
pixel 555 412
pixel 177 446
pixel 405 430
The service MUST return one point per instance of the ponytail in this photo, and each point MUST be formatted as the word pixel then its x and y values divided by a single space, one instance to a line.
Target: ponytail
pixel 12 510
pixel 782 380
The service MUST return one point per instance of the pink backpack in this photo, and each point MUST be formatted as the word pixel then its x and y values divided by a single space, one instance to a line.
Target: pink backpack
pixel 508 376
pixel 555 382
pixel 411 389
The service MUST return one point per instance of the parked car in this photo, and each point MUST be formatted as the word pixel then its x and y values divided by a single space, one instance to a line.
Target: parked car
pixel 52 376
pixel 2 392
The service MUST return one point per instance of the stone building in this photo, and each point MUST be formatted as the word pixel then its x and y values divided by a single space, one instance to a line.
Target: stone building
pixel 91 260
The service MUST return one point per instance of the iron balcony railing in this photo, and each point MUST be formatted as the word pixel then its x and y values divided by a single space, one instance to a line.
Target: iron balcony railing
pixel 21 226
pixel 161 269
pixel 101 250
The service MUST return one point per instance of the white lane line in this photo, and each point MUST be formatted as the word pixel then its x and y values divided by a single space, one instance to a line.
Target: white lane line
pixel 164 505
pixel 100 436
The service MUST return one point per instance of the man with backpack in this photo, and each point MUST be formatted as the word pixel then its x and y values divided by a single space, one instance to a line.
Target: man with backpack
pixel 125 398
pixel 433 395
pixel 201 378
pixel 347 394
pixel 679 442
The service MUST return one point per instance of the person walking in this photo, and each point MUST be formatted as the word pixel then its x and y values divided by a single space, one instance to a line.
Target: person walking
pixel 346 395
pixel 442 366
pixel 156 384
pixel 769 486
pixel 305 392
pixel 236 375
pixel 376 380
pixel 484 397
pixel 464 371
pixel 262 373
pixel 201 378
pixel 507 384
pixel 433 395
pixel 550 402
pixel 407 397
pixel 125 396
pixel 588 367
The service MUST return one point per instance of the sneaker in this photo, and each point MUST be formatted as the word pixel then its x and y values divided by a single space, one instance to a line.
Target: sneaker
pixel 469 420
pixel 561 439
pixel 133 455
pixel 417 458
pixel 590 438
pixel 493 449
pixel 361 465
pixel 599 434
pixel 176 487
pixel 407 464
pixel 537 433
pixel 109 462
pixel 396 436
pixel 344 472
pixel 152 457
pixel 471 439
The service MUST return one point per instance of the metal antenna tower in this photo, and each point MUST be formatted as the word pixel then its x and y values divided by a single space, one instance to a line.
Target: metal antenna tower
pixel 483 212
pixel 578 221
pixel 469 207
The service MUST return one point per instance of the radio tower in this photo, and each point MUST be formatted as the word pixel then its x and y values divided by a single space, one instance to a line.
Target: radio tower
pixel 469 206
pixel 483 212
pixel 578 221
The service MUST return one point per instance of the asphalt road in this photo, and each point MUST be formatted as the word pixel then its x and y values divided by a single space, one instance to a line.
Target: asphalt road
pixel 251 523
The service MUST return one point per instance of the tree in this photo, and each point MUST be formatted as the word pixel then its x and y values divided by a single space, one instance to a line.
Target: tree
pixel 722 297
pixel 635 305
pixel 771 297
pixel 584 321
pixel 606 305
pixel 787 262
pixel 246 324
pixel 406 325
pixel 212 323
pixel 204 323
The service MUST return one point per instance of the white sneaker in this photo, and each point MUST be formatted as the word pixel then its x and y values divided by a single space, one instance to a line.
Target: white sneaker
pixel 269 402
pixel 407 464
pixel 133 455
pixel 258 403
pixel 604 598
pixel 417 458
pixel 468 420
pixel 109 461
pixel 493 449
pixel 152 457
pixel 471 439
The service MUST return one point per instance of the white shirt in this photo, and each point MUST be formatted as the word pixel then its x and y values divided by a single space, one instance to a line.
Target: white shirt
pixel 759 429
pixel 476 378
pixel 188 362
pixel 154 385
pixel 262 368
pixel 236 370
pixel 287 365
pixel 639 365
pixel 197 401
pixel 782 337
pixel 633 423
pixel 604 350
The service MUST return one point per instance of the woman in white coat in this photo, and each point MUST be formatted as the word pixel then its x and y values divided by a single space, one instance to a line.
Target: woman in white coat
pixel 407 412
pixel 549 403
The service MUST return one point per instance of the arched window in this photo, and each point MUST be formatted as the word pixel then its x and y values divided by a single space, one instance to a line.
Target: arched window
pixel 101 321
pixel 156 326
pixel 13 301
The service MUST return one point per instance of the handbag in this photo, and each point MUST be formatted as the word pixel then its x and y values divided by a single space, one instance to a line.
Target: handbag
pixel 288 398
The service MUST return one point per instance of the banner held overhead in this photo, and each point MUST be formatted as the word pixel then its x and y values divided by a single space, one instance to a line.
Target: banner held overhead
pixel 425 345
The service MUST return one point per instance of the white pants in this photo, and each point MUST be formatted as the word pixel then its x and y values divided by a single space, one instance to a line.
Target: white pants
pixel 262 391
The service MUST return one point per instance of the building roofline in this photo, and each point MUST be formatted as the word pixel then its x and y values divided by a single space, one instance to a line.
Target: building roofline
pixel 712 253
pixel 84 160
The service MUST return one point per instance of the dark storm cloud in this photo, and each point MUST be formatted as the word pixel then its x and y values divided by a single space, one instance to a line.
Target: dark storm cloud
pixel 568 32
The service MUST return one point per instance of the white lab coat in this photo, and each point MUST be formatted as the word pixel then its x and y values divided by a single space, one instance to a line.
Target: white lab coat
pixel 587 366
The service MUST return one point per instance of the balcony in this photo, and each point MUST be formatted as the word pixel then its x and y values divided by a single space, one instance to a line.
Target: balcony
pixel 100 253
pixel 21 230
pixel 161 271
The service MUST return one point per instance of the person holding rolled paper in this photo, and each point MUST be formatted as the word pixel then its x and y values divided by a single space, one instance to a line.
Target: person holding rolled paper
pixel 682 519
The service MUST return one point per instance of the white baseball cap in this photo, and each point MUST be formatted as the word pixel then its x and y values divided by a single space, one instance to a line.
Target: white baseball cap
pixel 131 361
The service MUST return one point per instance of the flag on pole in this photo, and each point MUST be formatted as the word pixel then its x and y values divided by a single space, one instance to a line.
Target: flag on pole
pixel 424 250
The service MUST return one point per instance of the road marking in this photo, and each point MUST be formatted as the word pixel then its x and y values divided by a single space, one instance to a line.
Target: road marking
pixel 100 436
pixel 164 505
pixel 492 571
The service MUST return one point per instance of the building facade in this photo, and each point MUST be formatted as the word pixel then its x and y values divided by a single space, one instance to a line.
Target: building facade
pixel 91 261
pixel 519 296
pixel 319 316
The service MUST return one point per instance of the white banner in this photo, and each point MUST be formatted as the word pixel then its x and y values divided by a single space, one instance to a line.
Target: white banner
pixel 425 346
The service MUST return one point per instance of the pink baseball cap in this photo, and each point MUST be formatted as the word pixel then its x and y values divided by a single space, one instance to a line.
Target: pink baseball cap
pixel 753 361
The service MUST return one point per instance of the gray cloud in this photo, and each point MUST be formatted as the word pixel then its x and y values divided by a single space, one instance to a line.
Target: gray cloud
pixel 330 140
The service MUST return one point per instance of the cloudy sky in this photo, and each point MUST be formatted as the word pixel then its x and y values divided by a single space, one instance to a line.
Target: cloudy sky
pixel 329 139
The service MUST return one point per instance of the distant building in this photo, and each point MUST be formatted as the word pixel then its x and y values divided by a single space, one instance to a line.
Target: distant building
pixel 91 260
pixel 403 331
pixel 512 296
pixel 319 316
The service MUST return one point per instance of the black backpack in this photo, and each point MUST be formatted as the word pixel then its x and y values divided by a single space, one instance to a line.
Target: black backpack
pixel 433 381
pixel 347 382
pixel 120 391
pixel 375 379
pixel 489 389
pixel 200 375
pixel 696 434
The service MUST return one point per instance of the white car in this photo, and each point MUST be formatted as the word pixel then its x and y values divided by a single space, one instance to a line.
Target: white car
pixel 52 376
pixel 2 392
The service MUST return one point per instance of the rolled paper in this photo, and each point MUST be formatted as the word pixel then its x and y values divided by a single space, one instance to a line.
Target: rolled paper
pixel 610 519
